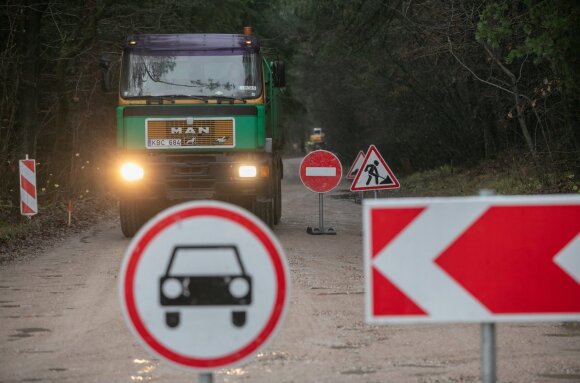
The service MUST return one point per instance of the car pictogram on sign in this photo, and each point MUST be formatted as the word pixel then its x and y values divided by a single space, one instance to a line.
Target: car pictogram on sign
pixel 205 275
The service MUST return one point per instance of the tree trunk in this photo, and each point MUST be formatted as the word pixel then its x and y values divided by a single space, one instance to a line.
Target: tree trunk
pixel 28 92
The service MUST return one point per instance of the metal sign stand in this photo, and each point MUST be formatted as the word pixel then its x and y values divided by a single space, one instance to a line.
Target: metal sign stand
pixel 321 229
pixel 488 354
pixel 206 377
pixel 488 371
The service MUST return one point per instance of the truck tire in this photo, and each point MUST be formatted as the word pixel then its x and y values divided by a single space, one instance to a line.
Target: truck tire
pixel 277 199
pixel 131 217
pixel 264 209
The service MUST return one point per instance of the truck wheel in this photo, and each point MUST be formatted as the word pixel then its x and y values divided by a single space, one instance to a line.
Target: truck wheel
pixel 264 209
pixel 277 200
pixel 131 217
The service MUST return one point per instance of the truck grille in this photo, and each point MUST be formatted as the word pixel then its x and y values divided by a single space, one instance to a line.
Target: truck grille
pixel 189 133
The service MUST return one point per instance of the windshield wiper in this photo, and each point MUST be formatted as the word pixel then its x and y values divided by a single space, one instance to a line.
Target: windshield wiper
pixel 220 99
pixel 171 99
pixel 159 99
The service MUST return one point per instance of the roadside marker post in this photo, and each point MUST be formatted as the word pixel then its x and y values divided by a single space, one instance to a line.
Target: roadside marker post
pixel 483 259
pixel 204 285
pixel 320 172
pixel 28 197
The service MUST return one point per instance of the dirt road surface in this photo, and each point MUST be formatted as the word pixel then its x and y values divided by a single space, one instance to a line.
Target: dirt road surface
pixel 61 321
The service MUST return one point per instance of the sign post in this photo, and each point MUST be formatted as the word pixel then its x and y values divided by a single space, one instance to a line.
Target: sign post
pixel 204 285
pixel 473 259
pixel 488 348
pixel 320 172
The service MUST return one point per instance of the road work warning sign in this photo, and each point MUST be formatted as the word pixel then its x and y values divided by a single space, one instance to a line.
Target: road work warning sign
pixel 374 173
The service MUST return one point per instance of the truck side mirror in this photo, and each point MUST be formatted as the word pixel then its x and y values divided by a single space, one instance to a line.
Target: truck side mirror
pixel 105 65
pixel 279 72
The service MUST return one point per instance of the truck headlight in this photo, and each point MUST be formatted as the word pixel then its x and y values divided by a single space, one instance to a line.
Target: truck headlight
pixel 131 171
pixel 247 171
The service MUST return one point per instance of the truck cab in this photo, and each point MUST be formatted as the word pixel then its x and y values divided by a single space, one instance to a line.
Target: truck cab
pixel 198 119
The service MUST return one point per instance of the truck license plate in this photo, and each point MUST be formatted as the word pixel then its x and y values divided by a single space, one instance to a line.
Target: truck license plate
pixel 164 142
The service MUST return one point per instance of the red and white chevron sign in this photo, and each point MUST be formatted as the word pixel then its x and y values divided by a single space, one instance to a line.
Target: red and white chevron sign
pixel 28 201
pixel 475 259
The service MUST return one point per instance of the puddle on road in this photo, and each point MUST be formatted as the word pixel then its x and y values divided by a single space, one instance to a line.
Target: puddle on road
pixel 414 365
pixel 358 371
pixel 347 346
pixel 146 369
pixel 569 330
pixel 233 372
pixel 36 352
pixel 573 377
pixel 272 356
pixel 27 332
pixel 343 293
pixel 57 369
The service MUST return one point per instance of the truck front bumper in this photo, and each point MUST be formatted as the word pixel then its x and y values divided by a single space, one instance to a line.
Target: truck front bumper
pixel 177 177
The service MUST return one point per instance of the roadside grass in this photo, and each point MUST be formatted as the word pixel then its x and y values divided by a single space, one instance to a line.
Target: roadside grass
pixel 508 175
pixel 18 233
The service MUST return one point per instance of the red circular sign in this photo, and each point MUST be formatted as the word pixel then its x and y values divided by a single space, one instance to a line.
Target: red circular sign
pixel 169 229
pixel 320 171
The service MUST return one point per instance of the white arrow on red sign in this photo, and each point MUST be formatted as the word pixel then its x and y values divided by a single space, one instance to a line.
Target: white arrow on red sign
pixel 472 259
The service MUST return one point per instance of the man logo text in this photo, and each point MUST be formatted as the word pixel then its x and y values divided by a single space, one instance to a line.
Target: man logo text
pixel 190 130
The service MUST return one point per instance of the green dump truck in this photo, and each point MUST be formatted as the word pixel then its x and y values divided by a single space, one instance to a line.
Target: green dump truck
pixel 198 119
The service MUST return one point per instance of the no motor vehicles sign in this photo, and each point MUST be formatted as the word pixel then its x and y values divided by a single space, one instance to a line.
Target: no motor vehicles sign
pixel 204 285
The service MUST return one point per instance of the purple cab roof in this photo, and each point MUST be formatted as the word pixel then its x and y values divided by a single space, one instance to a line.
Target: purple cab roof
pixel 200 42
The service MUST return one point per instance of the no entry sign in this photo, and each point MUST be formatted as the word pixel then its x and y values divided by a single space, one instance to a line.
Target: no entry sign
pixel 479 259
pixel 204 285
pixel 320 171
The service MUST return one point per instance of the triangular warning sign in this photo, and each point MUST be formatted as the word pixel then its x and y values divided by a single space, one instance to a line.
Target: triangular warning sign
pixel 355 167
pixel 374 173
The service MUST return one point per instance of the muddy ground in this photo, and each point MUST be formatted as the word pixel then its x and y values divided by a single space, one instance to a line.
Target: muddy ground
pixel 61 320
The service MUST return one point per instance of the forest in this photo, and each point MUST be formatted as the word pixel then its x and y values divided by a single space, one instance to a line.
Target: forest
pixel 430 83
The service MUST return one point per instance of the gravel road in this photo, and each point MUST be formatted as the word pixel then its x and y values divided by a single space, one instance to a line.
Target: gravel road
pixel 61 320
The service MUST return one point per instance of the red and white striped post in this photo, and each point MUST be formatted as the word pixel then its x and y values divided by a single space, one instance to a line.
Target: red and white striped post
pixel 28 201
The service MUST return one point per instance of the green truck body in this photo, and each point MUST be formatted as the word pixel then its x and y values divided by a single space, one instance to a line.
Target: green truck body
pixel 198 119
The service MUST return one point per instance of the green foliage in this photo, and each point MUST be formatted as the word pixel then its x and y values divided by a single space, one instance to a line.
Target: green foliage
pixel 366 71
pixel 494 26
pixel 547 31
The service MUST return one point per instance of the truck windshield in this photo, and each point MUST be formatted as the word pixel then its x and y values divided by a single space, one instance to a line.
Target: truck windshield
pixel 190 74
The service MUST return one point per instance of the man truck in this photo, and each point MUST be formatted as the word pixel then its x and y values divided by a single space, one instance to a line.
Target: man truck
pixel 198 119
